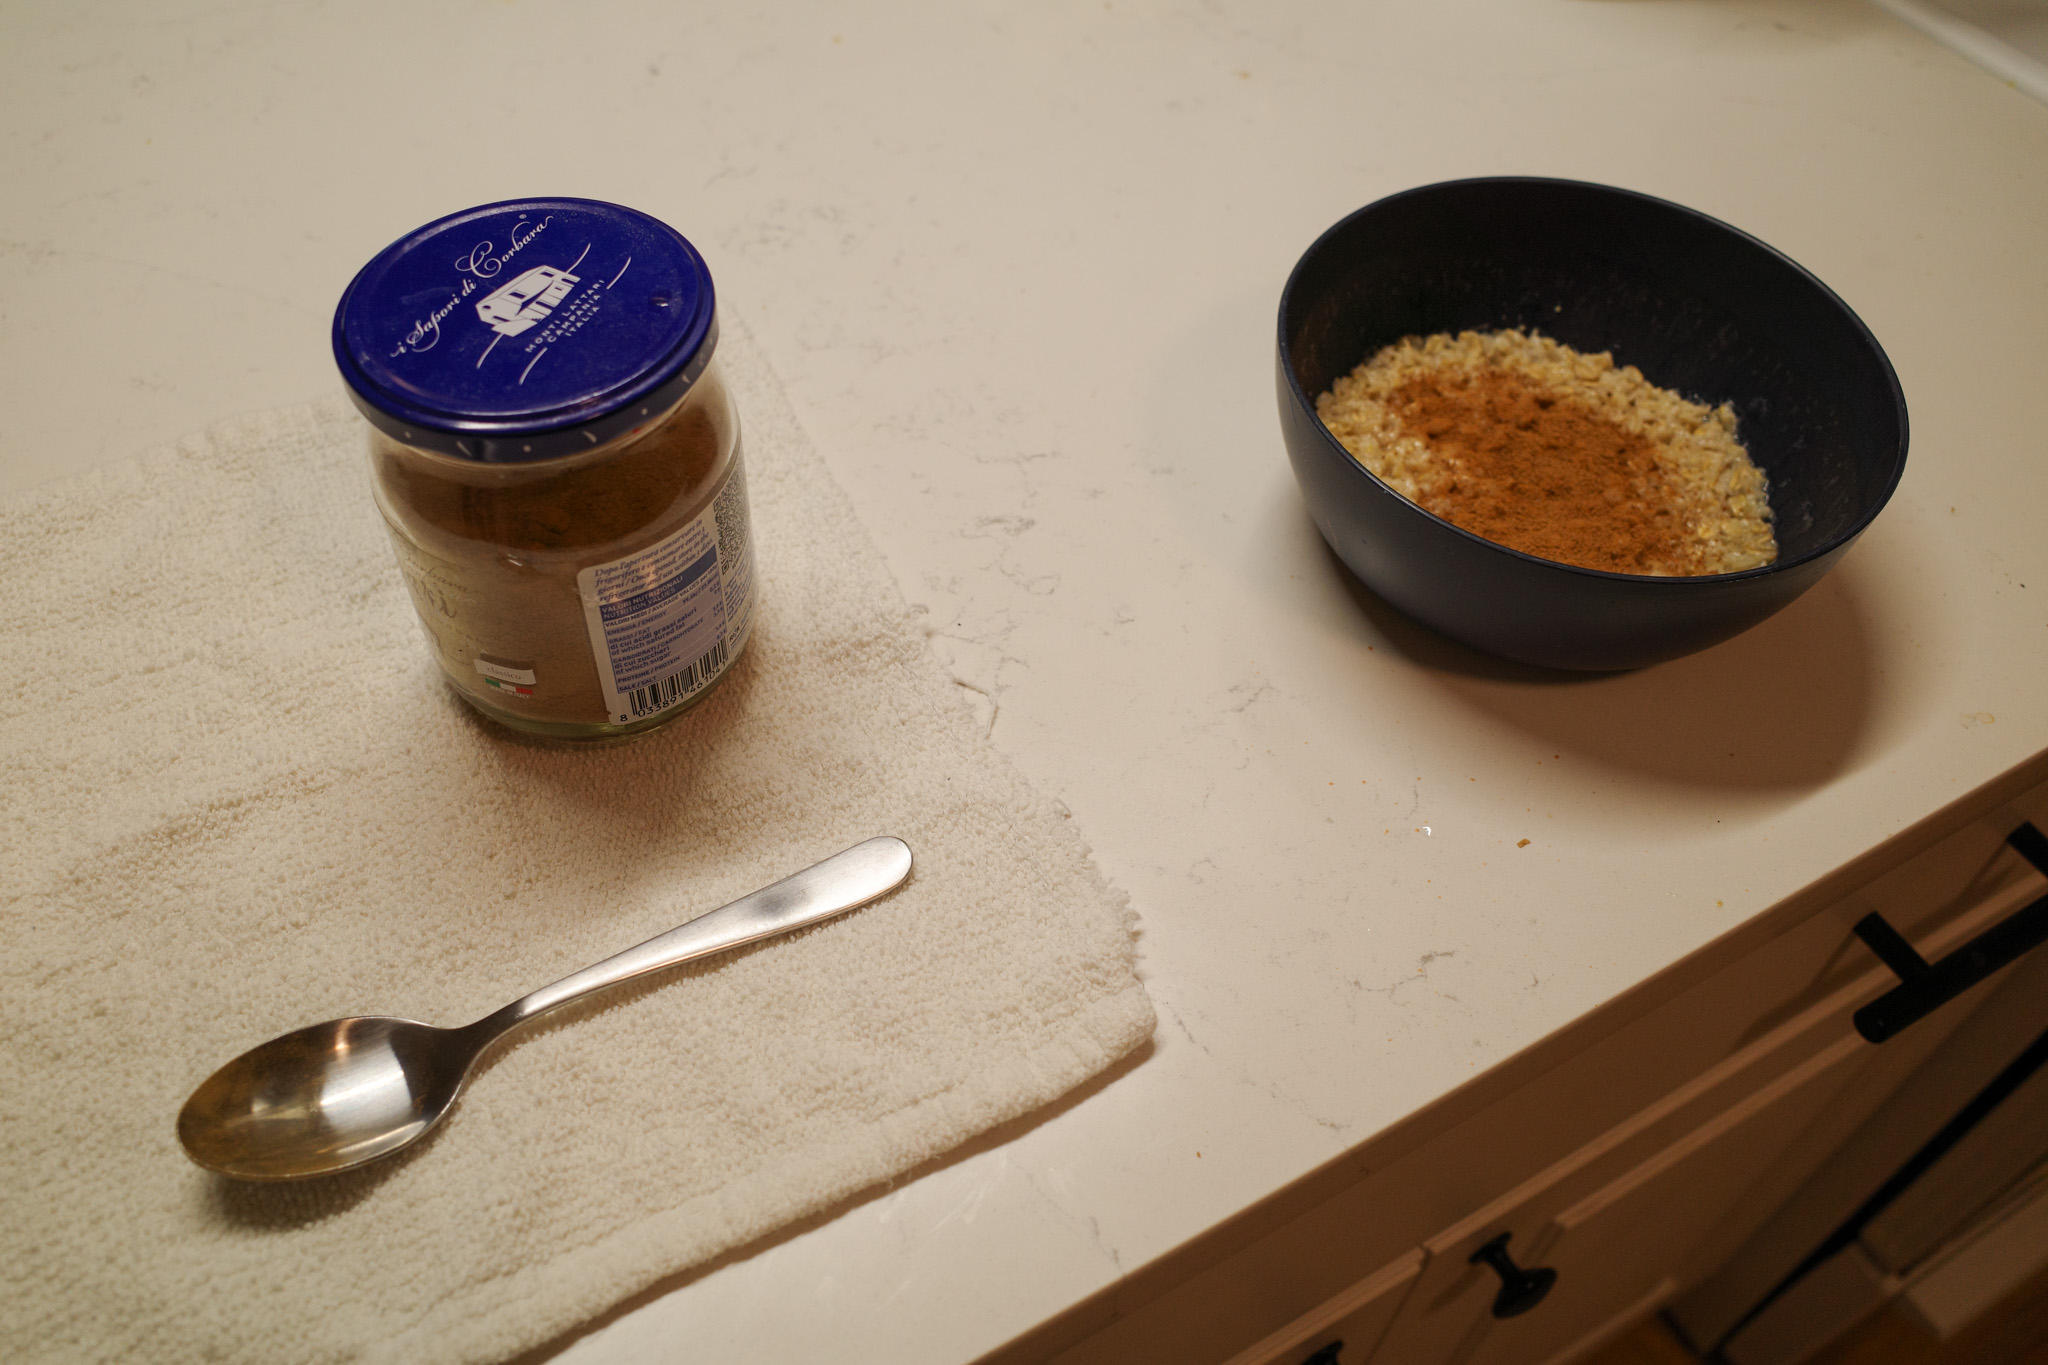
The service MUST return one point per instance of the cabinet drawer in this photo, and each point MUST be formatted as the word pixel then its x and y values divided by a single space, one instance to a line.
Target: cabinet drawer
pixel 1624 1243
pixel 2007 1141
pixel 1352 1322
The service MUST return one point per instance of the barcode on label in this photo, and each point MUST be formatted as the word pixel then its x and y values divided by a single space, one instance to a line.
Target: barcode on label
pixel 645 701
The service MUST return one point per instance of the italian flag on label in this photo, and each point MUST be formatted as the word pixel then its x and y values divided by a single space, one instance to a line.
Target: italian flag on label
pixel 518 681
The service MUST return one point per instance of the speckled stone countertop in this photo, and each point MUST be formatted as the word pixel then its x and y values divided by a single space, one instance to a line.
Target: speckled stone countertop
pixel 1017 267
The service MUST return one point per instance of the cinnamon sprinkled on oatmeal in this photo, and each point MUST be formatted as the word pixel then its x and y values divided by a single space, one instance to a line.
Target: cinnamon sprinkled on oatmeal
pixel 1533 445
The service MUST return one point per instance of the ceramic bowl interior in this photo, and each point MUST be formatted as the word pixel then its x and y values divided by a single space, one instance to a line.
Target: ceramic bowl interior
pixel 1696 305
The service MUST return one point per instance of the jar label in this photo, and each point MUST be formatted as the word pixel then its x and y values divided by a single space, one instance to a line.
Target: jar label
pixel 667 621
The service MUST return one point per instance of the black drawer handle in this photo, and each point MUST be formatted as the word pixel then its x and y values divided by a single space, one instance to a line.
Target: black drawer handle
pixel 1926 986
pixel 1520 1290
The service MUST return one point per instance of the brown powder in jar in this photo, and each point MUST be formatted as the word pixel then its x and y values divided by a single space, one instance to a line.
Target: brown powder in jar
pixel 1558 453
pixel 490 553
pixel 1543 474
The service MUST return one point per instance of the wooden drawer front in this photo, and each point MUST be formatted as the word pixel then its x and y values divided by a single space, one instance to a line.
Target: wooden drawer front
pixel 1353 1321
pixel 1851 1155
pixel 1620 1244
pixel 1558 1223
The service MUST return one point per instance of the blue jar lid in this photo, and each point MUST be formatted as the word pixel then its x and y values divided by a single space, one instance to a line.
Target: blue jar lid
pixel 526 329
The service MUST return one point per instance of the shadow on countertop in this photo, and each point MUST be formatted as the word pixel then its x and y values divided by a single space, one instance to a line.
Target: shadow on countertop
pixel 1785 705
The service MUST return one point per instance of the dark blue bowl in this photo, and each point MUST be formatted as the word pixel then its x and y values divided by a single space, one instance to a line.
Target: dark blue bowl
pixel 1696 305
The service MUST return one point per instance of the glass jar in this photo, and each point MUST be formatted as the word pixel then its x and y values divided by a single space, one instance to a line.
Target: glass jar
pixel 557 460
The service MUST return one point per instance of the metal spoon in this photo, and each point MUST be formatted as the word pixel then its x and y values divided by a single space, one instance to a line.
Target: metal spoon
pixel 336 1095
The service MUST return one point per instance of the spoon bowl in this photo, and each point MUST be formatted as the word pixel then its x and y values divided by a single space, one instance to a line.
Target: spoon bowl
pixel 327 1097
pixel 336 1095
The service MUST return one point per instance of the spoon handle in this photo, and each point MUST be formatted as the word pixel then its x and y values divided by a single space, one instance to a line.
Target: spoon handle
pixel 844 881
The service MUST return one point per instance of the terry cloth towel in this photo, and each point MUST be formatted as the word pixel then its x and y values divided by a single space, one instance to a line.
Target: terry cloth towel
pixel 237 800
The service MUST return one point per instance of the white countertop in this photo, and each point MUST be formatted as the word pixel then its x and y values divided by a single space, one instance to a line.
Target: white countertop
pixel 1018 267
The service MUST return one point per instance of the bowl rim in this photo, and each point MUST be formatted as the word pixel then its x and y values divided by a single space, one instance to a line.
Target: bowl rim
pixel 1832 545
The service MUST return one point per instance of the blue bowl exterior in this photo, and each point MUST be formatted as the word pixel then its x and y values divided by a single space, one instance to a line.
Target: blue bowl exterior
pixel 1641 249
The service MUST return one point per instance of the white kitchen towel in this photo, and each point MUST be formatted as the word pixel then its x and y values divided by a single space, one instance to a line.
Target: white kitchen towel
pixel 234 799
